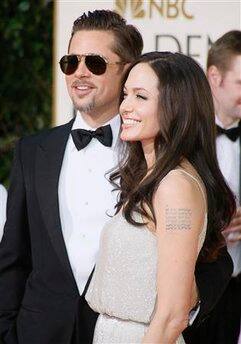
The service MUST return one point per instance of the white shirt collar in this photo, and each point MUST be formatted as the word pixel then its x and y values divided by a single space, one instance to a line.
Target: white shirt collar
pixel 79 123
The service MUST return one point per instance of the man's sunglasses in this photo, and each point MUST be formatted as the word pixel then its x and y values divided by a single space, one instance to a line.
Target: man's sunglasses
pixel 96 64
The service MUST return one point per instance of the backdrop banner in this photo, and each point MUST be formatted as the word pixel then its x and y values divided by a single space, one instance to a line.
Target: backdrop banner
pixel 187 26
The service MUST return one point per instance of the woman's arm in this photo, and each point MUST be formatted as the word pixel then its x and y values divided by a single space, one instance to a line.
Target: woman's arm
pixel 180 209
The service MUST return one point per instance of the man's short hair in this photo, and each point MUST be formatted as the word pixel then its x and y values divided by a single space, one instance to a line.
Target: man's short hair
pixel 128 40
pixel 224 49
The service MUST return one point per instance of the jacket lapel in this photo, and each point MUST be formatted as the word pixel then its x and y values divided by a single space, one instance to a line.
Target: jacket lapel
pixel 49 160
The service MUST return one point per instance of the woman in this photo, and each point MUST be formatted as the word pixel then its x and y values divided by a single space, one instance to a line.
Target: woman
pixel 172 198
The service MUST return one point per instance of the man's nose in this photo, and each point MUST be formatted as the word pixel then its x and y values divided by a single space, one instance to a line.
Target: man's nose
pixel 82 70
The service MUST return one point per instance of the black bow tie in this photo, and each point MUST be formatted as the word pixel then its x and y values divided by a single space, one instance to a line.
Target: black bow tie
pixel 232 133
pixel 82 137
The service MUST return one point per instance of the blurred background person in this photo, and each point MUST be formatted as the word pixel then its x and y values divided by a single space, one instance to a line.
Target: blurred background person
pixel 224 75
pixel 3 202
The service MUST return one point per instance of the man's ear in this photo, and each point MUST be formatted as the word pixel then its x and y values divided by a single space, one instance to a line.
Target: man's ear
pixel 214 76
pixel 126 66
pixel 123 68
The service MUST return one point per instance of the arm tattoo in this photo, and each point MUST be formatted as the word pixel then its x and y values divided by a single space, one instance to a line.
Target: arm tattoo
pixel 178 218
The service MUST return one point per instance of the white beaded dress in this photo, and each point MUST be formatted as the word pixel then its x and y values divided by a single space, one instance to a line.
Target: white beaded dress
pixel 123 288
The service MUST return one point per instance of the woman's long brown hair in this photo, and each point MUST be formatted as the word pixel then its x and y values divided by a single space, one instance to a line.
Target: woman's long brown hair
pixel 187 131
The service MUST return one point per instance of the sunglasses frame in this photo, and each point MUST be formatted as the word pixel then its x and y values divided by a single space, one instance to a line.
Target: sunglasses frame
pixel 80 56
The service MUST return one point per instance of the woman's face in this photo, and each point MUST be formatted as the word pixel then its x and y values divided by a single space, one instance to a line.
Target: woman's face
pixel 140 108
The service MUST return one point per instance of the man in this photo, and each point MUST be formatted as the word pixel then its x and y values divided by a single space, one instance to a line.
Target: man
pixel 224 75
pixel 59 197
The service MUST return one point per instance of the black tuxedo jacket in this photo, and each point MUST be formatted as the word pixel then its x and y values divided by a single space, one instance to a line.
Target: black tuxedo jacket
pixel 39 299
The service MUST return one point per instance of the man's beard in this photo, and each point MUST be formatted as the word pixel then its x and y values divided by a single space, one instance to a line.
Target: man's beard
pixel 85 108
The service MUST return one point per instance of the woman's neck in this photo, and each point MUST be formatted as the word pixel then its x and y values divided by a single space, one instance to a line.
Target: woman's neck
pixel 149 153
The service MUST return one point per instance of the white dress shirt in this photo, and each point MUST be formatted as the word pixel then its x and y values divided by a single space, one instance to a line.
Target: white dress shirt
pixel 228 153
pixel 3 202
pixel 86 197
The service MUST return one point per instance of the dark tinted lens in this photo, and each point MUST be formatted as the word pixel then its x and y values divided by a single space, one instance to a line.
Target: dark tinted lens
pixel 69 64
pixel 96 64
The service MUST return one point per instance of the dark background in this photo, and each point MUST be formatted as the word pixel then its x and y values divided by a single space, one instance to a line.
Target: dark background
pixel 26 31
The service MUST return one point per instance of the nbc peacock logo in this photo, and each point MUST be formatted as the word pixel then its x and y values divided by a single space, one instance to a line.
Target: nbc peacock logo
pixel 134 6
pixel 167 9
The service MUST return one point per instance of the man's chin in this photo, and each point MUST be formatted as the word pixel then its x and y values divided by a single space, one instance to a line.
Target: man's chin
pixel 84 107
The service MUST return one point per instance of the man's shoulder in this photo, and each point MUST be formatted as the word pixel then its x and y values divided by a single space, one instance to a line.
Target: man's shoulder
pixel 45 134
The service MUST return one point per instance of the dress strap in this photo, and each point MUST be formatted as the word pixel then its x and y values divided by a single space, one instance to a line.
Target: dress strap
pixel 196 180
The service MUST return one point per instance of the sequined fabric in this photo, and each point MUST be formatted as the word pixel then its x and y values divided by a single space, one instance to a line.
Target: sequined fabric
pixel 113 330
pixel 126 271
pixel 123 287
